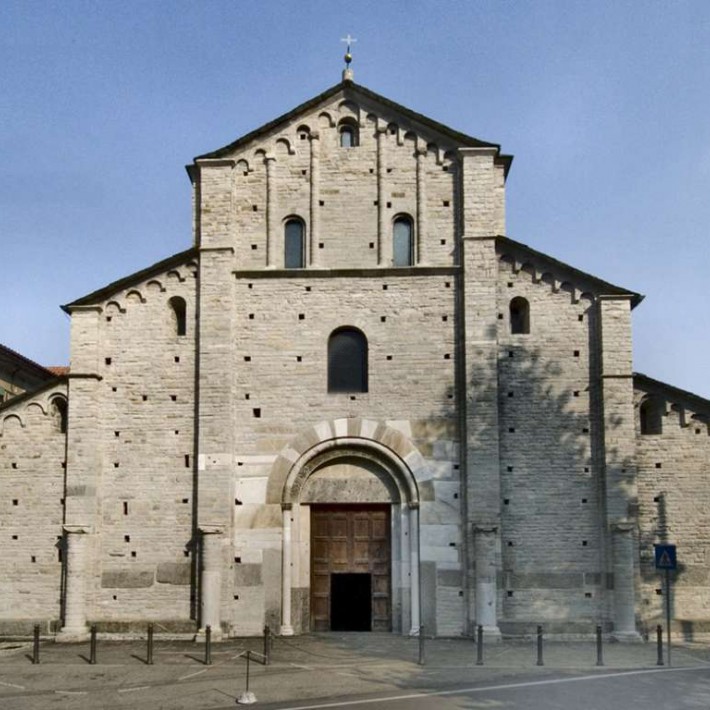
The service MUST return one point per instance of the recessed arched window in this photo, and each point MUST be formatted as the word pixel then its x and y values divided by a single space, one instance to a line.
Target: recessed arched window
pixel 519 316
pixel 348 134
pixel 59 405
pixel 179 309
pixel 651 415
pixel 347 361
pixel 403 241
pixel 294 244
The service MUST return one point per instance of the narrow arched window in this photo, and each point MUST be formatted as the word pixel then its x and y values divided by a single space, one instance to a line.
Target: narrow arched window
pixel 294 244
pixel 403 242
pixel 178 307
pixel 348 134
pixel 651 415
pixel 59 405
pixel 519 316
pixel 347 361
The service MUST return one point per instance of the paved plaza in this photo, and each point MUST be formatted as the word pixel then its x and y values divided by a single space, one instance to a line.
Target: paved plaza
pixel 335 669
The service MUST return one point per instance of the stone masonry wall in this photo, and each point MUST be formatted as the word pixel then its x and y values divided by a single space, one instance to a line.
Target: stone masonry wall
pixel 32 454
pixel 674 507
pixel 551 540
pixel 144 435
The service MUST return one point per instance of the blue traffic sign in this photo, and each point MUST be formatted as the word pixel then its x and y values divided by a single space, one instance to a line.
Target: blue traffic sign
pixel 665 556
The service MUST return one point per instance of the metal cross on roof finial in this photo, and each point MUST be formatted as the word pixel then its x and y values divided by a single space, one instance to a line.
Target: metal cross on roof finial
pixel 348 72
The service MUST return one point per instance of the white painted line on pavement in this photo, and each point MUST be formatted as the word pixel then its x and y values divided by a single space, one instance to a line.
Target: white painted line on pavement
pixel 131 690
pixel 13 685
pixel 215 665
pixel 507 686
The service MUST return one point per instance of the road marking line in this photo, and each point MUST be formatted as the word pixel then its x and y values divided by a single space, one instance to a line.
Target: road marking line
pixel 191 675
pixel 12 685
pixel 131 690
pixel 507 686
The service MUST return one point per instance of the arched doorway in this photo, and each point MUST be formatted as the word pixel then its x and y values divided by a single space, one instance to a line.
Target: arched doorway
pixel 350 540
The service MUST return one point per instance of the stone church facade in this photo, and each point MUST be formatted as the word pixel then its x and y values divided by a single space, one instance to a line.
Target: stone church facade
pixel 352 403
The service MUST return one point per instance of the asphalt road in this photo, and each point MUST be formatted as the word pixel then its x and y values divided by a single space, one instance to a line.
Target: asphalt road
pixel 661 689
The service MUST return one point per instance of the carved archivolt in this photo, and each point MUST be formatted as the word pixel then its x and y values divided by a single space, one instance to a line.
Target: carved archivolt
pixel 391 454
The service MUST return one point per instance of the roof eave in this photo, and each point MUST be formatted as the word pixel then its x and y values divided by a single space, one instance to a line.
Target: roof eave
pixel 108 290
pixel 603 287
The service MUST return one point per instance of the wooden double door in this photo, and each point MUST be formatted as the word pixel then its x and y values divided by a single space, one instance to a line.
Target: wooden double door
pixel 350 568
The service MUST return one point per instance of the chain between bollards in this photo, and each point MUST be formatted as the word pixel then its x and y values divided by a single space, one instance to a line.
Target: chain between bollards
pixel 208 645
pixel 479 646
pixel 149 651
pixel 422 656
pixel 539 646
pixel 35 645
pixel 600 657
pixel 659 644
pixel 92 647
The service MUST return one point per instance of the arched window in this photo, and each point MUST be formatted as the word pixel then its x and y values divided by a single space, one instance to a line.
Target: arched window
pixel 347 361
pixel 348 134
pixel 651 415
pixel 519 316
pixel 294 244
pixel 177 304
pixel 59 405
pixel 403 242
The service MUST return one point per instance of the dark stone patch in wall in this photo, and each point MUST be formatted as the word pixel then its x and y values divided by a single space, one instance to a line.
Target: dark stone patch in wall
pixel 247 575
pixel 80 491
pixel 426 491
pixel 428 596
pixel 127 578
pixel 449 578
pixel 547 580
pixel 174 573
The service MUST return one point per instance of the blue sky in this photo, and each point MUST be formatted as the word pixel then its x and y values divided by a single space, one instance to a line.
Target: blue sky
pixel 604 104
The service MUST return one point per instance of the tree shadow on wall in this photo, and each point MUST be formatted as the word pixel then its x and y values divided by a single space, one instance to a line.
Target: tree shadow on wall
pixel 554 483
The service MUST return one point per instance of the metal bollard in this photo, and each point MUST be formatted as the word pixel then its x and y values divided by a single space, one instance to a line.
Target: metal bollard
pixel 92 647
pixel 539 646
pixel 267 645
pixel 422 657
pixel 208 645
pixel 479 646
pixel 149 653
pixel 35 645
pixel 600 657
pixel 659 644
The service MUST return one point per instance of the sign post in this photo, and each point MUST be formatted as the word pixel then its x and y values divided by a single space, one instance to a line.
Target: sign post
pixel 666 560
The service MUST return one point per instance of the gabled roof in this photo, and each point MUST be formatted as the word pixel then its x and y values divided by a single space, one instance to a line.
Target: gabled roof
pixel 107 291
pixel 35 367
pixel 29 394
pixel 596 285
pixel 352 90
pixel 648 384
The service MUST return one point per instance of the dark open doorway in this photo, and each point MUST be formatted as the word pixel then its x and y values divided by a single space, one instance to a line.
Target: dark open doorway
pixel 351 602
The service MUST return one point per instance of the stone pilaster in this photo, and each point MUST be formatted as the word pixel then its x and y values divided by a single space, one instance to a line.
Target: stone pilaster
pixel 384 257
pixel 421 226
pixel 485 538
pixel 414 578
pixel 210 580
pixel 622 547
pixel 483 210
pixel 77 565
pixel 286 572
pixel 270 211
pixel 619 462
pixel 314 231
